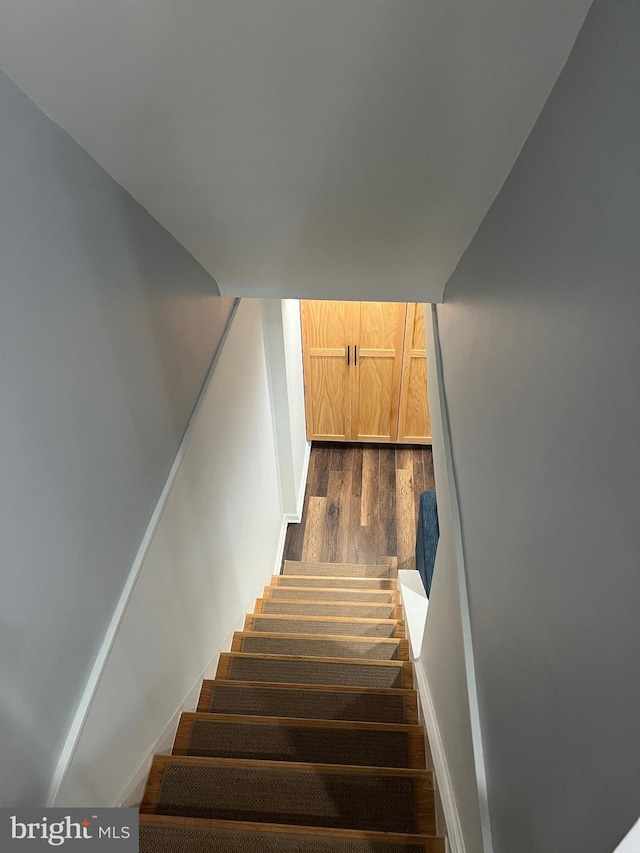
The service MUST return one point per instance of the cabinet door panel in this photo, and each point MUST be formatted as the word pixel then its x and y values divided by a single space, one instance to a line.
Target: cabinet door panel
pixel 378 330
pixel 414 426
pixel 326 328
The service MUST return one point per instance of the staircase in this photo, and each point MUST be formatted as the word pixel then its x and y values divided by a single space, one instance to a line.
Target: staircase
pixel 307 740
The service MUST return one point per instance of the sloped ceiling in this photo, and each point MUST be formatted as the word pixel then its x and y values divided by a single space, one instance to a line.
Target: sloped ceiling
pixel 327 148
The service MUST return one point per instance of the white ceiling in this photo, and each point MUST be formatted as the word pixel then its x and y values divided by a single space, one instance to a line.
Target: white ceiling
pixel 336 148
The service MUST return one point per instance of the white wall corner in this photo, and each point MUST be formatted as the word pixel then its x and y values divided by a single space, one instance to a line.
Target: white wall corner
pixel 283 351
pixel 631 841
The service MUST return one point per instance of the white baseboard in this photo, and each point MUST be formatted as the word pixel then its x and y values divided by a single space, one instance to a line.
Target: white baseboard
pixel 303 483
pixel 440 766
pixel 281 541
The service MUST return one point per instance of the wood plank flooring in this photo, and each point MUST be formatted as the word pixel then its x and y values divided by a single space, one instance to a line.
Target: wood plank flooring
pixel 361 504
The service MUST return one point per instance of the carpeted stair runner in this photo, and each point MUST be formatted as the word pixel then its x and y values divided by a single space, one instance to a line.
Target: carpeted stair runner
pixel 311 594
pixel 340 796
pixel 349 570
pixel 338 625
pixel 284 669
pixel 282 739
pixel 356 610
pixel 328 647
pixel 307 740
pixel 373 705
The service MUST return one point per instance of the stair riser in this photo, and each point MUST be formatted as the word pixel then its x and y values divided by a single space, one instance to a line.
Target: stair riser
pixel 341 627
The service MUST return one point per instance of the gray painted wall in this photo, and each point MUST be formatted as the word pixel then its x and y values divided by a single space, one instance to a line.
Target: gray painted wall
pixel 442 656
pixel 107 329
pixel 541 347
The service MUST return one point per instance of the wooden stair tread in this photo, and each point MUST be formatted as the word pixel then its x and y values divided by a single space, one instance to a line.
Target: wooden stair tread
pixel 282 739
pixel 311 593
pixel 334 582
pixel 290 669
pixel 326 701
pixel 279 834
pixel 302 567
pixel 371 648
pixel 351 609
pixel 303 723
pixel 339 625
pixel 348 638
pixel 342 796
pixel 331 688
pixel 307 740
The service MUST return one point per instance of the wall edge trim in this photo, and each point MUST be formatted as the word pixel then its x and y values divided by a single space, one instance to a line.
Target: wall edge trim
pixel 456 525
pixel 102 657
pixel 440 765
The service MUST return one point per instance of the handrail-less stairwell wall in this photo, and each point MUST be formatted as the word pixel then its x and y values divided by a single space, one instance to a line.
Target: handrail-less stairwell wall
pixel 218 536
pixel 541 353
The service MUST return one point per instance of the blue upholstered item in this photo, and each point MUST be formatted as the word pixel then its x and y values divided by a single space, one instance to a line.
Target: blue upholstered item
pixel 427 538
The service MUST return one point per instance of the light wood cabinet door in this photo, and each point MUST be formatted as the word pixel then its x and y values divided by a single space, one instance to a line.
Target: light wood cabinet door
pixel 378 335
pixel 326 331
pixel 365 371
pixel 414 426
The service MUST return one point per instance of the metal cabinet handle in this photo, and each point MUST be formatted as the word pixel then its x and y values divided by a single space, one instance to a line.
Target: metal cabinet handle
pixel 355 355
pixel 348 356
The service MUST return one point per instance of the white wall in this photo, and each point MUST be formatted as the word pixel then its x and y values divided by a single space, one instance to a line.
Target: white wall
pixel 541 352
pixel 217 541
pixel 283 343
pixel 300 447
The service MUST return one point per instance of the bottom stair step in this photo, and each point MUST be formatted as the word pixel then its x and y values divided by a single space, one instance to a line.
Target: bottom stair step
pixel 341 797
pixel 319 703
pixel 286 739
pixel 160 834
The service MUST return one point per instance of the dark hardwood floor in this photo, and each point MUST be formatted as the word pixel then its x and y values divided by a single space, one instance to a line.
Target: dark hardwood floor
pixel 361 504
